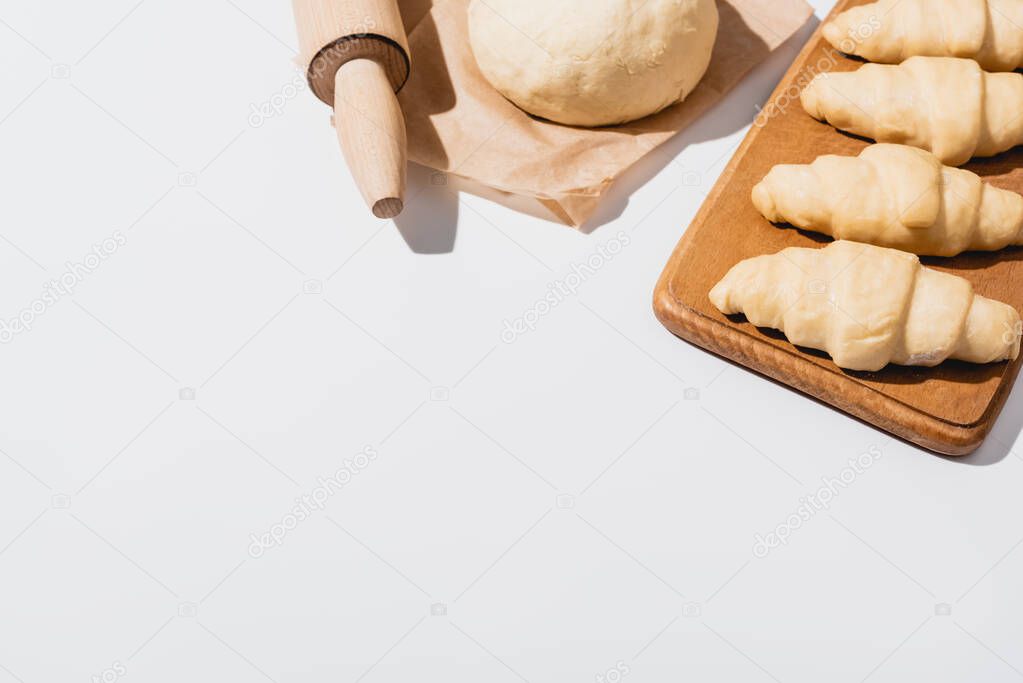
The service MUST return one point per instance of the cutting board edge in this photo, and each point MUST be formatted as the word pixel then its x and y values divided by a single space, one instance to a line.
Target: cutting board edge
pixel 840 391
pixel 787 367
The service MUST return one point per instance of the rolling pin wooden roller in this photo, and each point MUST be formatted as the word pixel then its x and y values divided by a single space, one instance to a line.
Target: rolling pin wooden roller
pixel 358 59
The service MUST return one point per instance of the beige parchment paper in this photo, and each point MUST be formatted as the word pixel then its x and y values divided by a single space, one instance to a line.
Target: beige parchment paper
pixel 458 124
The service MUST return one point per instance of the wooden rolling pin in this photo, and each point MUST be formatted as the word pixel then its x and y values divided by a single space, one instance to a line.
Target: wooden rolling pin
pixel 358 60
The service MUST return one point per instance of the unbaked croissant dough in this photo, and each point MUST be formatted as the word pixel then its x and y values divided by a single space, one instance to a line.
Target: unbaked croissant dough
pixel 890 31
pixel 868 306
pixel 893 196
pixel 942 104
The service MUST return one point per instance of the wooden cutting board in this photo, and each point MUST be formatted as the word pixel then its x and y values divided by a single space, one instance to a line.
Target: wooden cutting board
pixel 949 409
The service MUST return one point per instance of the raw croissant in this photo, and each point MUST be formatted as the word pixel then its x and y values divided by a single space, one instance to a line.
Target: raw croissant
pixel 893 196
pixel 890 31
pixel 868 306
pixel 945 105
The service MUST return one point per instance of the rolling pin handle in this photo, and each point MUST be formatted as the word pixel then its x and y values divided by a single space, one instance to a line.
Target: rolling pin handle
pixel 371 130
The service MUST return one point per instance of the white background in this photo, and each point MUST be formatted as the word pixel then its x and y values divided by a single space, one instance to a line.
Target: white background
pixel 583 498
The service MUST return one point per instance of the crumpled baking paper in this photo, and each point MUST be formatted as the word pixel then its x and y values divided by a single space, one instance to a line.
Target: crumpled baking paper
pixel 459 124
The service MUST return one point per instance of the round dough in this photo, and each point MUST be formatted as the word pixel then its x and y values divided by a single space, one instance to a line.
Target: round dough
pixel 593 62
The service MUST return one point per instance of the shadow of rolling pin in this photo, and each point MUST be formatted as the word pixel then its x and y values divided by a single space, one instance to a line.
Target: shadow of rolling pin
pixel 358 60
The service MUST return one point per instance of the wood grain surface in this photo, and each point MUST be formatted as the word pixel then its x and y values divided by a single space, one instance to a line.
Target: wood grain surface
pixel 949 409
pixel 332 33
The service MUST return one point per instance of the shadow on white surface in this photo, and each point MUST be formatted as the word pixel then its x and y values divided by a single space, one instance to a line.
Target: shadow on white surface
pixel 998 444
pixel 996 447
pixel 428 222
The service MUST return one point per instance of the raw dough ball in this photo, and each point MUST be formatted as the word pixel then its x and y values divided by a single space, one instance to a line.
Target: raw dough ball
pixel 593 62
